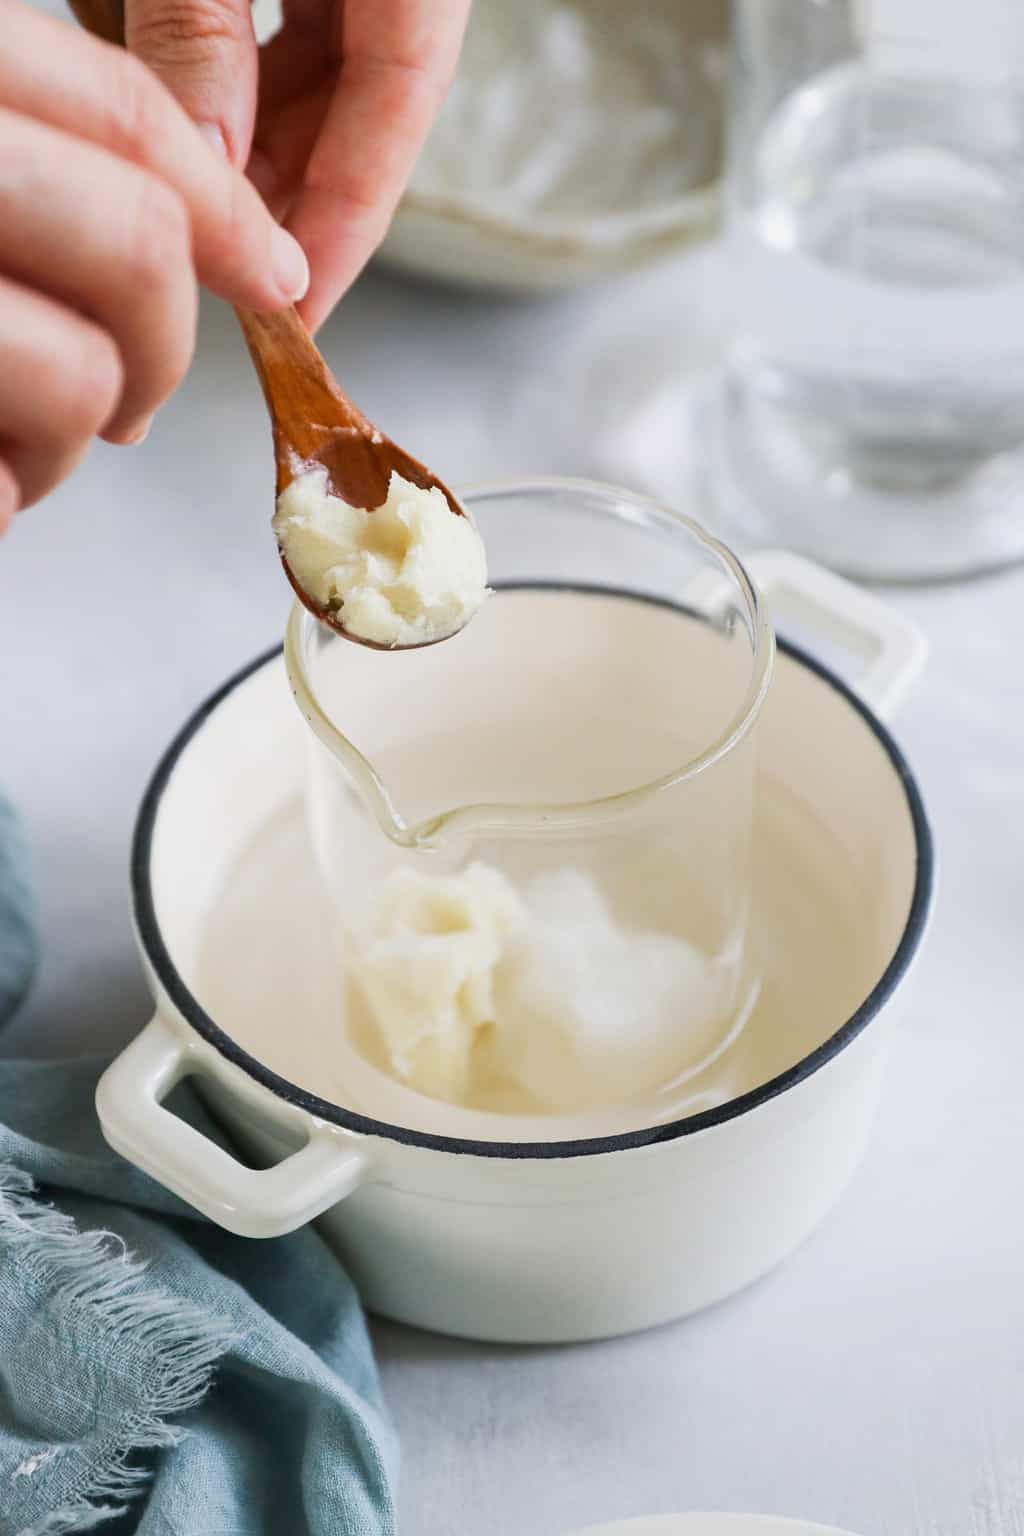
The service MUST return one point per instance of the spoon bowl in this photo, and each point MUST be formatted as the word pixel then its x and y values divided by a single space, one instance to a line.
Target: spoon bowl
pixel 316 426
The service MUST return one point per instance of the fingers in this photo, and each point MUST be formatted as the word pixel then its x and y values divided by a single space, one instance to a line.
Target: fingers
pixel 61 382
pixel 54 73
pixel 398 60
pixel 111 241
pixel 205 52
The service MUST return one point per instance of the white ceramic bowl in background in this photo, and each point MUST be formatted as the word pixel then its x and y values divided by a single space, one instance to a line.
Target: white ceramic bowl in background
pixel 536 1241
pixel 567 84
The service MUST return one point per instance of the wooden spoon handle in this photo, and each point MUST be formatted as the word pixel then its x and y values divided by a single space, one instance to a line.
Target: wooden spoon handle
pixel 104 18
pixel 297 383
pixel 307 409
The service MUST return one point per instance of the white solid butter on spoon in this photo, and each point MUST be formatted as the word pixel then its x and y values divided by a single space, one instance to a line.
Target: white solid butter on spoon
pixel 405 573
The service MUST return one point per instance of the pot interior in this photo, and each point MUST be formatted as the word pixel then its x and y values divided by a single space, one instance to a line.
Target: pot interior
pixel 239 932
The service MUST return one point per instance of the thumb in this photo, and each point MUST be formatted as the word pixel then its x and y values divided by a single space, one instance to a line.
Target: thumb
pixel 205 52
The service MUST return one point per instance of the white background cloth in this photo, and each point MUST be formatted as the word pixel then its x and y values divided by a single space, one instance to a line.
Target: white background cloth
pixel 876 1381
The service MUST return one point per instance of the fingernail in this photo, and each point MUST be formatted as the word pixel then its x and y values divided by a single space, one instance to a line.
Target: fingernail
pixel 289 265
pixel 140 434
pixel 214 136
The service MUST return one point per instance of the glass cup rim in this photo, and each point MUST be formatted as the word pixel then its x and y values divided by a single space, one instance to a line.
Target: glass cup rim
pixel 558 815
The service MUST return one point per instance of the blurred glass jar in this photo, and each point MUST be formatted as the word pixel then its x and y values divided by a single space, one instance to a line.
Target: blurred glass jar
pixel 872 409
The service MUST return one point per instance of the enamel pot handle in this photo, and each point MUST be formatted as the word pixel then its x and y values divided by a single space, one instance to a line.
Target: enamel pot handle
pixel 890 648
pixel 254 1202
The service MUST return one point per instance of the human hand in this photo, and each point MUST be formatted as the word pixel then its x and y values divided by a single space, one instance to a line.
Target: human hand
pixel 111 206
pixel 329 115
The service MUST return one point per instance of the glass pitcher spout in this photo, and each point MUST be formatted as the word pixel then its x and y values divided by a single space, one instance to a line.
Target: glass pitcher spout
pixel 464 823
pixel 530 724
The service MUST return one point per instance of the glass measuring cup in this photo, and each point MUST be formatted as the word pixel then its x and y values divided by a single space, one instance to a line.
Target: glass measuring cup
pixel 595 721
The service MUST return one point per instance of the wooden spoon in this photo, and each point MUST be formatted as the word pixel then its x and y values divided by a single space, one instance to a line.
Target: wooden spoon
pixel 315 424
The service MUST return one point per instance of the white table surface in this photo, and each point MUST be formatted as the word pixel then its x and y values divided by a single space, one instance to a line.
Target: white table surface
pixel 876 1381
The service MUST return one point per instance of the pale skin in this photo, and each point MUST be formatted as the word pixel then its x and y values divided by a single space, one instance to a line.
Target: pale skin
pixel 128 178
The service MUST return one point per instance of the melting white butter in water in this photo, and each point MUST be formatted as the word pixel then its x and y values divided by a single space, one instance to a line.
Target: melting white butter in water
pixel 403 573
pixel 467 985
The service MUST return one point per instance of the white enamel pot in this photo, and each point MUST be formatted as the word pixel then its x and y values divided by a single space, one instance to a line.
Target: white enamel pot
pixel 538 1241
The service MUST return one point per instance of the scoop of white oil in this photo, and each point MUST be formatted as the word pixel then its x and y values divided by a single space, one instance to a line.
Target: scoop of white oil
pixel 407 573
pixel 541 1002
